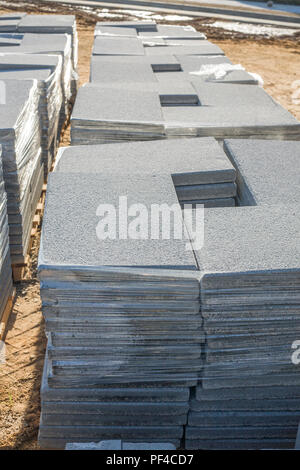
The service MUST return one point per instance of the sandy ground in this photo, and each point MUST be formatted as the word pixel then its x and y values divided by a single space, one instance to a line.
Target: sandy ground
pixel 277 61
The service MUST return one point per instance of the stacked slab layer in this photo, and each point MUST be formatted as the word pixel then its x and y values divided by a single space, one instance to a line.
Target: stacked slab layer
pixel 123 320
pixel 5 264
pixel 249 293
pixel 10 21
pixel 20 137
pixel 47 70
pixel 103 115
pixel 267 171
pixel 170 82
pixel 45 24
pixel 200 170
pixel 58 44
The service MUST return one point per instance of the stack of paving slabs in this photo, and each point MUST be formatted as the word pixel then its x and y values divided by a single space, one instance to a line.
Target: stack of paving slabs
pixel 58 44
pixel 5 263
pixel 110 114
pixel 20 137
pixel 120 45
pixel 156 36
pixel 200 170
pixel 248 397
pixel 140 77
pixel 138 26
pixel 45 24
pixel 110 45
pixel 276 182
pixel 122 316
pixel 47 70
pixel 9 22
pixel 146 29
pixel 53 24
pixel 231 110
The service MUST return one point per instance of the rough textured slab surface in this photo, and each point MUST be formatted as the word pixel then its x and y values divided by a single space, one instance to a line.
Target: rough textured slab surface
pixel 192 161
pixel 95 104
pixel 104 45
pixel 110 72
pixel 84 194
pixel 47 23
pixel 231 246
pixel 266 170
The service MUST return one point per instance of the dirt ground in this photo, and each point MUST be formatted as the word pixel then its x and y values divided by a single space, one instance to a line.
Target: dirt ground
pixel 276 60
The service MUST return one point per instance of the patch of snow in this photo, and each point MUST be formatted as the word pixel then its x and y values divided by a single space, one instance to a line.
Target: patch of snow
pixel 109 15
pixel 177 18
pixel 257 77
pixel 217 70
pixel 101 13
pixel 138 13
pixel 246 28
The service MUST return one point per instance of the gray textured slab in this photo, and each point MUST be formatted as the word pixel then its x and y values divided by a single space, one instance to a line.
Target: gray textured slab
pixel 62 247
pixel 171 93
pixel 27 61
pixel 275 180
pixel 192 161
pixel 38 44
pixel 117 409
pixel 17 93
pixel 297 444
pixel 259 393
pixel 37 74
pixel 99 419
pixel 155 433
pixel 47 23
pixel 111 72
pixel 247 405
pixel 233 96
pixel 60 443
pixel 104 45
pixel 219 202
pixel 243 122
pixel 231 247
pixel 244 432
pixel 240 444
pixel 96 104
pixel 102 445
pixel 147 446
pixel 278 380
pixel 206 191
pixel 244 418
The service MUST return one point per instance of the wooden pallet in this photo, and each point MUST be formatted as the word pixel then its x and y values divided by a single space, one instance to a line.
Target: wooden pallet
pixel 6 314
pixel 20 270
